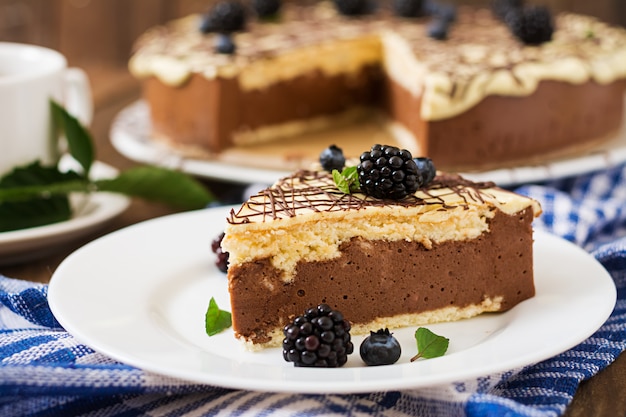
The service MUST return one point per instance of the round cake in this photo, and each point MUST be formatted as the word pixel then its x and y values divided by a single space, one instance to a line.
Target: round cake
pixel 471 95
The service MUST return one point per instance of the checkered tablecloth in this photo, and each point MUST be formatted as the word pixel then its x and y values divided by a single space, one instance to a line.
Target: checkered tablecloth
pixel 44 371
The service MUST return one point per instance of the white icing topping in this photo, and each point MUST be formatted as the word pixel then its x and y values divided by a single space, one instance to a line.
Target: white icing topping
pixel 480 57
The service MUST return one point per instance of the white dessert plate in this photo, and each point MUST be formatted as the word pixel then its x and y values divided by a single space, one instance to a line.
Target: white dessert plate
pixel 90 213
pixel 130 135
pixel 140 294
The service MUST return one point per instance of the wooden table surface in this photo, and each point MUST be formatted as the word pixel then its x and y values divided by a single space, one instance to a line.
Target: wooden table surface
pixel 603 395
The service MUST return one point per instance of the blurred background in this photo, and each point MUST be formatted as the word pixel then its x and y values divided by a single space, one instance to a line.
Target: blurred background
pixel 97 35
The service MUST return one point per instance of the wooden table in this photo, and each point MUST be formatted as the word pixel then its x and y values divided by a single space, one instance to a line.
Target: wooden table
pixel 603 395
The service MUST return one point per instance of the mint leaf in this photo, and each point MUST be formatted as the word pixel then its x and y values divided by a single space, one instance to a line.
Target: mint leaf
pixel 429 345
pixel 216 320
pixel 28 197
pixel 33 213
pixel 347 180
pixel 79 140
pixel 159 184
pixel 35 195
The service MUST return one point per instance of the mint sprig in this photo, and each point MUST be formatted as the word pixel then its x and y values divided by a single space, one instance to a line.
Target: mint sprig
pixel 216 320
pixel 34 194
pixel 347 180
pixel 79 140
pixel 429 344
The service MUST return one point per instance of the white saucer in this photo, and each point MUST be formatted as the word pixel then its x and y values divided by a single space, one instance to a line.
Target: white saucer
pixel 130 135
pixel 146 307
pixel 91 212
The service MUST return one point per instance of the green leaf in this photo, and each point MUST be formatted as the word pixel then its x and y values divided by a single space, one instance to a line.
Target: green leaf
pixel 429 345
pixel 79 140
pixel 216 320
pixel 159 184
pixel 33 213
pixel 347 180
pixel 34 195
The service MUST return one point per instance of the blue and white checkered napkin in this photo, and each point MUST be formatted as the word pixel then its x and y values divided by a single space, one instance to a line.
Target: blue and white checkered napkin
pixel 45 371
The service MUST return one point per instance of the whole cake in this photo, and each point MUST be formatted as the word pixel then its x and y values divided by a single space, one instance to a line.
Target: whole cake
pixel 452 249
pixel 313 67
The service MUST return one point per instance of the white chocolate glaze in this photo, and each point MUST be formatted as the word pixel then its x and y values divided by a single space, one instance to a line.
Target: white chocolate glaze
pixel 479 58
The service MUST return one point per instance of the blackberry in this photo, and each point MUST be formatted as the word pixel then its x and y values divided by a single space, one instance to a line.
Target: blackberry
pixel 533 25
pixel 408 8
pixel 380 348
pixel 426 170
pixel 332 158
pixel 227 16
pixel 388 172
pixel 353 7
pixel 502 7
pixel 221 260
pixel 266 8
pixel 224 44
pixel 318 338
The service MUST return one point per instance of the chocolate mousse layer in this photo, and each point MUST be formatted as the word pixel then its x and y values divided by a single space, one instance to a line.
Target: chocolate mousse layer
pixel 215 113
pixel 557 119
pixel 401 282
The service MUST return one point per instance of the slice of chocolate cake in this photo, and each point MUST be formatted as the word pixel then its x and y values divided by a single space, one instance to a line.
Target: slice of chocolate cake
pixel 451 250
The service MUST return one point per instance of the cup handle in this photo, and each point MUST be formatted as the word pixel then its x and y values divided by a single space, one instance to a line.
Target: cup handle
pixel 78 98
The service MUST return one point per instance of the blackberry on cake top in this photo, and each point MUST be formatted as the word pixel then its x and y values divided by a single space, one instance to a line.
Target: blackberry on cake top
pixel 533 25
pixel 389 172
pixel 353 7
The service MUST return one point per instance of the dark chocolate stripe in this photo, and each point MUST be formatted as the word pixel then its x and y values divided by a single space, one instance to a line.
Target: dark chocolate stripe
pixel 315 191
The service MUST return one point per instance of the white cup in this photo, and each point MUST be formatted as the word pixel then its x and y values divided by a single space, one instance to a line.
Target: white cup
pixel 30 76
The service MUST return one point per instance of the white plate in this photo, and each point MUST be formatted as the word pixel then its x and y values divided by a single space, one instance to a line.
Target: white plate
pixel 139 295
pixel 130 135
pixel 91 212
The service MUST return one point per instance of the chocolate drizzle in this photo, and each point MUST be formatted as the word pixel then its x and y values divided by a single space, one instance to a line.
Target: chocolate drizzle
pixel 309 191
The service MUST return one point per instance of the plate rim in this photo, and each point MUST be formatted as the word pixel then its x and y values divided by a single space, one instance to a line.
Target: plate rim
pixel 56 306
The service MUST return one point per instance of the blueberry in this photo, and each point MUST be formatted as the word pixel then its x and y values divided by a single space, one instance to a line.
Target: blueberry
pixel 332 158
pixel 425 169
pixel 380 348
pixel 224 44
